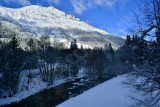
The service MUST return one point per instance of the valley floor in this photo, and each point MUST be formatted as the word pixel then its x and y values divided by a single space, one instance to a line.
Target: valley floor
pixel 112 93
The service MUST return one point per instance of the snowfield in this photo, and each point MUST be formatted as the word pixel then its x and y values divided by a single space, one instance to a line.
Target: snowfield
pixel 112 93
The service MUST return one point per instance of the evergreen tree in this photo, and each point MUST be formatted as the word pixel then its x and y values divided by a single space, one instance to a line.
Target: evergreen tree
pixel 158 35
pixel 31 45
pixel 73 45
pixel 111 51
pixel 128 40
pixel 14 45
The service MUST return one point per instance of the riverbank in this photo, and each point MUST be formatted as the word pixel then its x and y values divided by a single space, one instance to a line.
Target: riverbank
pixel 36 85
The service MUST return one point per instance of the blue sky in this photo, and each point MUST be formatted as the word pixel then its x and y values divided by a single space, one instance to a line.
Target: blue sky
pixel 112 16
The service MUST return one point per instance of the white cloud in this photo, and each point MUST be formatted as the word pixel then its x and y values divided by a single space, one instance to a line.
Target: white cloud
pixel 79 6
pixel 54 2
pixel 27 2
pixel 82 5
pixel 19 2
pixel 24 2
pixel 104 3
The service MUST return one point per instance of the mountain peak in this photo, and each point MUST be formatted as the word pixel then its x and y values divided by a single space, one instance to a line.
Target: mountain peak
pixel 55 23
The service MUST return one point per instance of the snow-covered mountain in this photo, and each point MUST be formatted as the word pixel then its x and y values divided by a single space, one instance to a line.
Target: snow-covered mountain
pixel 35 21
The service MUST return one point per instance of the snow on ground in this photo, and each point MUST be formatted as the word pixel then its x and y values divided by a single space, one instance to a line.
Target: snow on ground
pixel 111 93
pixel 81 72
pixel 36 85
pixel 34 88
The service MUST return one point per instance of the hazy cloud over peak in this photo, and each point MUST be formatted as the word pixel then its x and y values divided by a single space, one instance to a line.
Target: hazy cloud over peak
pixel 19 2
pixel 82 5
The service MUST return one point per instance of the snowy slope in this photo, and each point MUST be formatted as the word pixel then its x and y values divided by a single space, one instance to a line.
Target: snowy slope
pixel 36 16
pixel 58 25
pixel 111 93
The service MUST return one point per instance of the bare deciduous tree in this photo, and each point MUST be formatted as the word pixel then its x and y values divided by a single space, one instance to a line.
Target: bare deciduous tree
pixel 148 19
pixel 145 78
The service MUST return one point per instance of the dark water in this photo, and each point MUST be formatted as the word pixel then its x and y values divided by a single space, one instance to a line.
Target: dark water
pixel 54 96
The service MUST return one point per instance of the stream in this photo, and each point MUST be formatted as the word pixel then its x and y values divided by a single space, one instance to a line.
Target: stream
pixel 56 95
